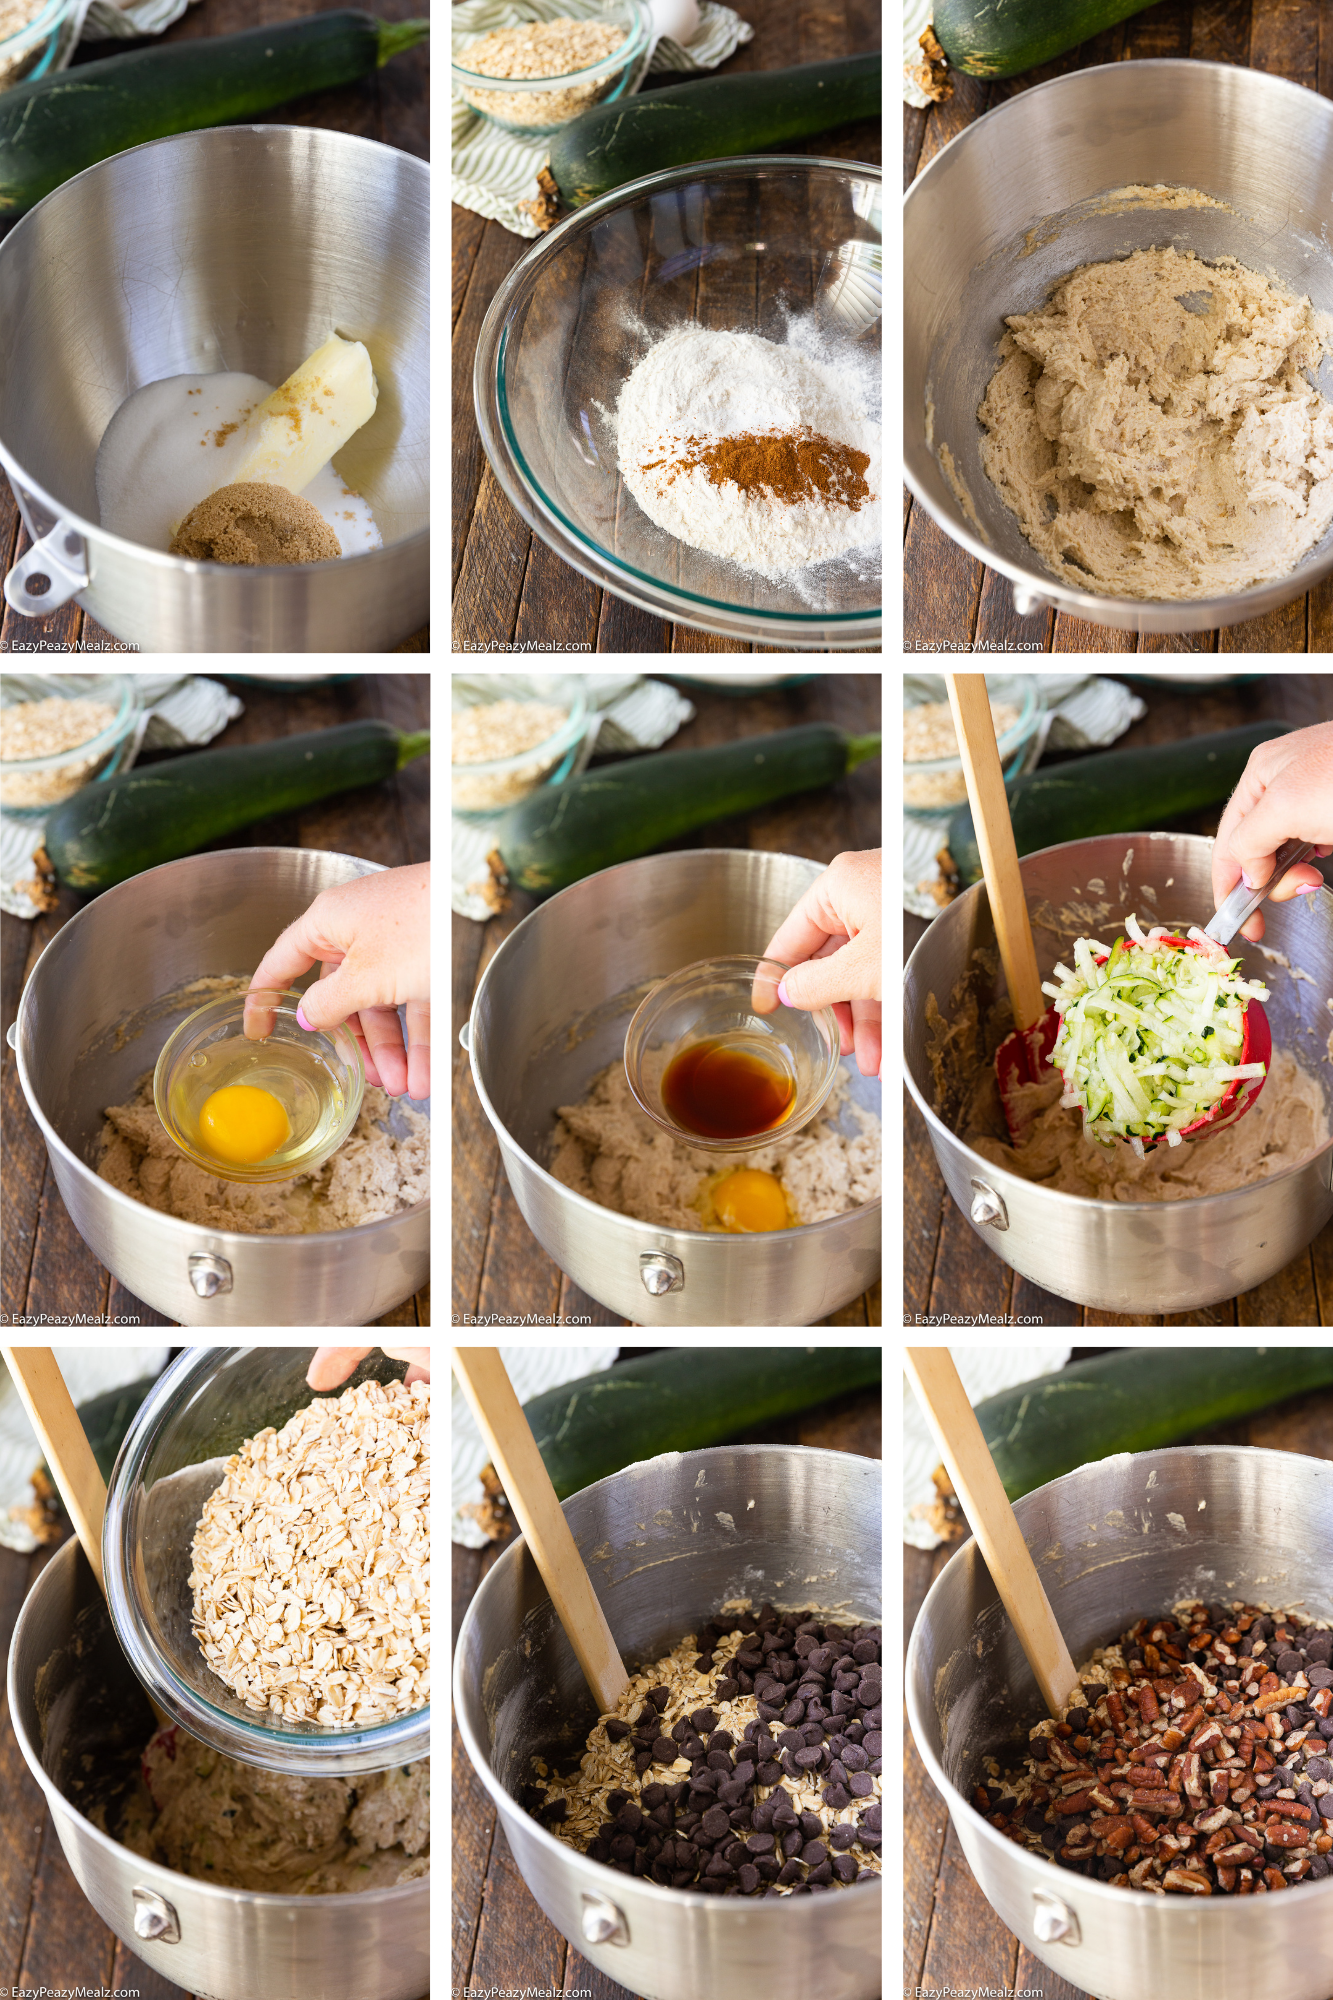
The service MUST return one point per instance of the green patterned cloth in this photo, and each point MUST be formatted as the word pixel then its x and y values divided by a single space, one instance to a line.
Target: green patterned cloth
pixel 492 170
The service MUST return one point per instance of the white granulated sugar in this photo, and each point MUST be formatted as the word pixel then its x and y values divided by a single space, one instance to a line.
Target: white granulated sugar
pixel 694 385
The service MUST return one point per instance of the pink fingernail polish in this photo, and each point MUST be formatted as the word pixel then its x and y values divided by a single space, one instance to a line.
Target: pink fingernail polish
pixel 302 1022
pixel 782 993
pixel 1307 888
pixel 1245 879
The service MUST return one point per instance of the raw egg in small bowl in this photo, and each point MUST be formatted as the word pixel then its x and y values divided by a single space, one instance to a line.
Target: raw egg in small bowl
pixel 248 1094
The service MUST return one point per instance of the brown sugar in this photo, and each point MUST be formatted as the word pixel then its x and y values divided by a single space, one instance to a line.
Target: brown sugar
pixel 252 522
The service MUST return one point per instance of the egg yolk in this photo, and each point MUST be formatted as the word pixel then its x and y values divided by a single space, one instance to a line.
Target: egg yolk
pixel 749 1200
pixel 243 1124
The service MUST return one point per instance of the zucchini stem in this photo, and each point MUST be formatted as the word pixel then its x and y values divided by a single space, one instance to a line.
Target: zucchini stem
pixel 412 744
pixel 861 748
pixel 395 36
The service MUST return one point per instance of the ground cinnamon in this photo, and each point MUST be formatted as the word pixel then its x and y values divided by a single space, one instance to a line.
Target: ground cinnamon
pixel 792 466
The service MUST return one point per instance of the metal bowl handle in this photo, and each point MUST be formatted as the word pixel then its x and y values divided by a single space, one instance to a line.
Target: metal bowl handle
pixel 62 559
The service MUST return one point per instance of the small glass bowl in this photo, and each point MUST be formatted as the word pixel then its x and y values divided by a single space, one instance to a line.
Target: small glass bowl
pixel 534 107
pixel 718 999
pixel 45 44
pixel 209 1401
pixel 223 1020
pixel 30 786
pixel 480 791
pixel 935 787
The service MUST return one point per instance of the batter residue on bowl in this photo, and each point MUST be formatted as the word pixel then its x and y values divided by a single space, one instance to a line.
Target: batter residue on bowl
pixel 606 1149
pixel 1153 428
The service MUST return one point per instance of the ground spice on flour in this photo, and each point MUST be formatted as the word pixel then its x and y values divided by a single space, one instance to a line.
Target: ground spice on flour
pixel 793 467
pixel 755 452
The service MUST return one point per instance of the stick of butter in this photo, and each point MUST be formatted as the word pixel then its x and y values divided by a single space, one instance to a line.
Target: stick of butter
pixel 295 431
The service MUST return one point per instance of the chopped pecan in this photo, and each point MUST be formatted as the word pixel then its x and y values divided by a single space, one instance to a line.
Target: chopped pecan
pixel 1192 1879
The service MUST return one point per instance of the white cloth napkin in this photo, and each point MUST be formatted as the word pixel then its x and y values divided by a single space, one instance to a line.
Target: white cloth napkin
pixel 88 1371
pixel 625 713
pixel 984 1371
pixel 173 713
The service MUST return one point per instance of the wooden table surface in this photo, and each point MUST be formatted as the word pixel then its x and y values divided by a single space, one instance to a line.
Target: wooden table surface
pixel 947 1268
pixel 511 594
pixel 501 1939
pixel 952 1939
pixel 953 603
pixel 498 1265
pixel 393 106
pixel 45 1265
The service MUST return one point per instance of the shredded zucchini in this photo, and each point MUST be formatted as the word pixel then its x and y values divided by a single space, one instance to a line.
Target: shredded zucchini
pixel 1152 1038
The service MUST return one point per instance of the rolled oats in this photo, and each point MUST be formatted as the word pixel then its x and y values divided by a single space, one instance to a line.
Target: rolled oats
pixel 540 48
pixel 311 1574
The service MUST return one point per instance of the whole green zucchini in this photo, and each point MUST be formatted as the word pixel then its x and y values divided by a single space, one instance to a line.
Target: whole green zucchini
pixel 560 833
pixel 1117 791
pixel 1007 37
pixel 682 1399
pixel 1134 1400
pixel 107 832
pixel 54 126
pixel 712 118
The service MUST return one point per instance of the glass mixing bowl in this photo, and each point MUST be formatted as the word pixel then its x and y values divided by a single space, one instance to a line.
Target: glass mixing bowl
pixel 31 786
pixel 197 1044
pixel 733 1001
pixel 535 107
pixel 208 1402
pixel 733 245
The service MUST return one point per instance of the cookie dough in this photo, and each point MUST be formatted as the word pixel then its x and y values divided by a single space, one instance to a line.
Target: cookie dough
pixel 606 1149
pixel 373 1174
pixel 1287 1122
pixel 254 523
pixel 1153 431
pixel 238 1827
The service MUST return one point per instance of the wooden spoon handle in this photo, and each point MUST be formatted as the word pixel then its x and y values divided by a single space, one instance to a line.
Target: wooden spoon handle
pixel 51 1410
pixel 485 1382
pixel 995 841
pixel 999 1537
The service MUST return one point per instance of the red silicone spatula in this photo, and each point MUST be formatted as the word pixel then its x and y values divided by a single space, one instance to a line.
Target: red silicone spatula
pixel 1021 1057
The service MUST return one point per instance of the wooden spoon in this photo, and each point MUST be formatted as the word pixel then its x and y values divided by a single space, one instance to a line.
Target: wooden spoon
pixel 485 1382
pixel 1021 1057
pixel 69 1455
pixel 999 1537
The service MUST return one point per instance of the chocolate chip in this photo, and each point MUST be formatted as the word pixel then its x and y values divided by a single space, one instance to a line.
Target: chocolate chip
pixel 727 1690
pixel 1319 1677
pixel 664 1750
pixel 837 1797
pixel 860 1785
pixel 812 1826
pixel 760 1843
pixel 870 1817
pixel 842 1837
pixel 748 1877
pixel 1288 1663
pixel 768 1773
pixel 716 1823
pixel 616 1729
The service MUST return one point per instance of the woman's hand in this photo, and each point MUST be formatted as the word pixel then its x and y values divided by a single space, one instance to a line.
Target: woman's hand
pixel 1286 793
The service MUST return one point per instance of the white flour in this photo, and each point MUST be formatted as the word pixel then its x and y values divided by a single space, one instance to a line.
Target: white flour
pixel 694 384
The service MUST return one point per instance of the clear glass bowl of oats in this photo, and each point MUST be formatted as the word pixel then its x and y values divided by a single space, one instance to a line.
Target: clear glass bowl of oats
pixel 509 734
pixel 933 782
pixel 204 1408
pixel 58 732
pixel 531 78
pixel 36 36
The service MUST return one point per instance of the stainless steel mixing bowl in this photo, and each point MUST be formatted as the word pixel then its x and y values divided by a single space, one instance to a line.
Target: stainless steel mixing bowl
pixel 72 1696
pixel 1114 1542
pixel 240 248
pixel 1009 207
pixel 205 914
pixel 667 1542
pixel 552 1009
pixel 1145 1257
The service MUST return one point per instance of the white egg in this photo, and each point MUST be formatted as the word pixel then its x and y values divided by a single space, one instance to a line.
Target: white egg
pixel 677 20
